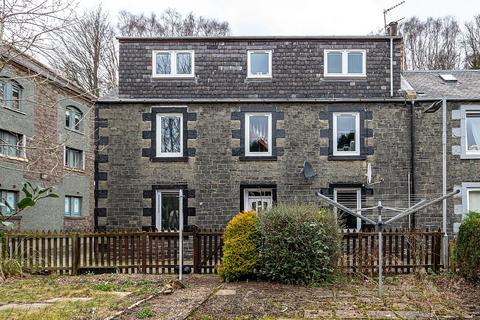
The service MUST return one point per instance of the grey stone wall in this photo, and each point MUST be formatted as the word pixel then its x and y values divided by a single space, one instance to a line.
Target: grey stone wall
pixel 221 69
pixel 428 162
pixel 214 174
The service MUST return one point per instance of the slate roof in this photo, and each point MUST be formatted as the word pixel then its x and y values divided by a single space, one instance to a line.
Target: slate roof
pixel 10 54
pixel 428 84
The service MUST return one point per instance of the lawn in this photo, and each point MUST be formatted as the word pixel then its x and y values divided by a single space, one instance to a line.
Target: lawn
pixel 81 297
pixel 206 297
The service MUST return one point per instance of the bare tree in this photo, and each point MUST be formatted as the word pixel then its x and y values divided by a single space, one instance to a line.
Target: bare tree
pixel 27 26
pixel 170 23
pixel 87 52
pixel 432 44
pixel 471 42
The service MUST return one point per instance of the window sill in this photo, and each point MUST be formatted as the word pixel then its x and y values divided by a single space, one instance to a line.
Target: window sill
pixel 169 159
pixel 14 110
pixel 469 155
pixel 75 131
pixel 13 158
pixel 74 217
pixel 74 170
pixel 344 76
pixel 258 158
pixel 173 77
pixel 253 78
pixel 346 158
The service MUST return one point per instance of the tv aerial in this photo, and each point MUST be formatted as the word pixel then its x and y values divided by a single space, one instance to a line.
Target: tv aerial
pixel 386 11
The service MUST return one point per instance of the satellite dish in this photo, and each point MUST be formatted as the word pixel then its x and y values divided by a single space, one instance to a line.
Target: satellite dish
pixel 308 171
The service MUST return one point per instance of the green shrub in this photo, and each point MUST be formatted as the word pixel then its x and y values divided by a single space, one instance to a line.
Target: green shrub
pixel 300 244
pixel 240 254
pixel 468 248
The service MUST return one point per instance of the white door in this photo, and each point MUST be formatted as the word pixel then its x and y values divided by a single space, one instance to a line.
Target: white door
pixel 258 199
pixel 168 209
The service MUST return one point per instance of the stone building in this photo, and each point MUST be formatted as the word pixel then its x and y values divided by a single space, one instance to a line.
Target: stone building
pixel 461 91
pixel 206 127
pixel 46 138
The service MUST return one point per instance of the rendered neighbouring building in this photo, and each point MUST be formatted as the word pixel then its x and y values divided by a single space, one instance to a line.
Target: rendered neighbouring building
pixel 46 138
pixel 211 126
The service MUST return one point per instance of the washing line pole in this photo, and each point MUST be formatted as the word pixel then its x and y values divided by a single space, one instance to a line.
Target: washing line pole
pixel 180 235
pixel 380 248
pixel 380 223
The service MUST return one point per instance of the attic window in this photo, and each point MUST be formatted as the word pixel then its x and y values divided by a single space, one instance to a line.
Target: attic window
pixel 448 78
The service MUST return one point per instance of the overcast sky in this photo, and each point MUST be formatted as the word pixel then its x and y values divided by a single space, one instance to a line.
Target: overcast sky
pixel 300 17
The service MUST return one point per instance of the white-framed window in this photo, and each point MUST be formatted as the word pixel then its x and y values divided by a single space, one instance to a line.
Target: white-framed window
pixel 173 63
pixel 10 198
pixel 73 117
pixel 73 206
pixel 169 135
pixel 345 63
pixel 473 200
pixel 472 133
pixel 74 158
pixel 169 207
pixel 258 134
pixel 10 93
pixel 257 199
pixel 346 133
pixel 352 199
pixel 259 63
pixel 12 144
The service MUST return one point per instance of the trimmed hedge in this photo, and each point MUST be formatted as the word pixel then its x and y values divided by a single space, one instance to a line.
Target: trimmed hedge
pixel 300 244
pixel 468 248
pixel 240 254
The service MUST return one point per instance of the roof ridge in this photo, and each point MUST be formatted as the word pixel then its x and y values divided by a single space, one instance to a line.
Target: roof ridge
pixel 441 70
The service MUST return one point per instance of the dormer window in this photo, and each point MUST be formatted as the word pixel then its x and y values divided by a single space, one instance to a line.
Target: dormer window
pixel 259 64
pixel 10 94
pixel 73 117
pixel 345 63
pixel 173 63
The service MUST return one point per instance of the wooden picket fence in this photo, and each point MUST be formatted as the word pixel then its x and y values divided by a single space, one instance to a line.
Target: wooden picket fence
pixel 405 251
pixel 122 252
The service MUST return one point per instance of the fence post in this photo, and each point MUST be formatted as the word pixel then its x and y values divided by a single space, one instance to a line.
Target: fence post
pixel 438 251
pixel 144 252
pixel 196 250
pixel 75 254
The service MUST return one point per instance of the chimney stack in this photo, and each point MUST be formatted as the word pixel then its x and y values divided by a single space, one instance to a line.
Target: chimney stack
pixel 392 28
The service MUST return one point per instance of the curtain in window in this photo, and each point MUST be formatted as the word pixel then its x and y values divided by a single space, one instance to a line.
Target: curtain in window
pixel 258 134
pixel 10 144
pixel 473 132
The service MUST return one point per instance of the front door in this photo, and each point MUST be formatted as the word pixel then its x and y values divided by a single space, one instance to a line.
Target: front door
pixel 168 209
pixel 258 199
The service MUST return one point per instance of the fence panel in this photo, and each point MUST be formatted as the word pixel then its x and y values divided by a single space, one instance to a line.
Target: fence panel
pixel 157 252
pixel 404 251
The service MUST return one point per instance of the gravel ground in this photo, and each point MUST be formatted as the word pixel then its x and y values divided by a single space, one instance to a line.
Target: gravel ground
pixel 180 303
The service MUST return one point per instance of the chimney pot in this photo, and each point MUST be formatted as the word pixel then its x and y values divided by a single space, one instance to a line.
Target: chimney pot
pixel 392 28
